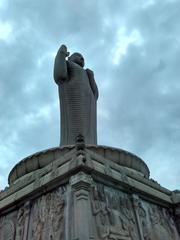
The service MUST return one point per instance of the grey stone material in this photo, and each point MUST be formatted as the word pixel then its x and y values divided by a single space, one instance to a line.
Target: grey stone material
pixel 54 201
pixel 176 200
pixel 43 158
pixel 7 229
pixel 75 159
pixel 177 216
pixel 78 94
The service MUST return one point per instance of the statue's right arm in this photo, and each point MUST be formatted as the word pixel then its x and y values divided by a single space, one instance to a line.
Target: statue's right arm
pixel 60 65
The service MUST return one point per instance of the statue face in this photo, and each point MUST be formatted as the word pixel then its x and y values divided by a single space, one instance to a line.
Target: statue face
pixel 77 58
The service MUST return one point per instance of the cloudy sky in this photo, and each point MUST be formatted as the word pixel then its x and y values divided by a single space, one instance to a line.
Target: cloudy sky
pixel 134 49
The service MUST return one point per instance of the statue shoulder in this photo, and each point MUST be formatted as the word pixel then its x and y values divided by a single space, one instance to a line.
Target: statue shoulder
pixel 92 82
pixel 90 72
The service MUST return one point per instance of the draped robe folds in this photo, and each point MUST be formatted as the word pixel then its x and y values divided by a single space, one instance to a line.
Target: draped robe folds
pixel 78 95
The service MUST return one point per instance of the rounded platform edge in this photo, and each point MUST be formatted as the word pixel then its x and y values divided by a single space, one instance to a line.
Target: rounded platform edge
pixel 41 159
pixel 122 158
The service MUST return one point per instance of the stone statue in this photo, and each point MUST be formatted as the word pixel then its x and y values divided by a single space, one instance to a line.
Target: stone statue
pixel 78 94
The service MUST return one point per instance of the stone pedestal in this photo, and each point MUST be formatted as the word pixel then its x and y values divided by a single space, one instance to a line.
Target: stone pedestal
pixel 91 192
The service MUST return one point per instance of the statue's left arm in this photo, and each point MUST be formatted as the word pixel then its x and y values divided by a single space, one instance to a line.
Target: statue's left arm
pixel 92 83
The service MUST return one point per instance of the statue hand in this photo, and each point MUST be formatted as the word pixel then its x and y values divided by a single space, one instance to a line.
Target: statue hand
pixel 63 49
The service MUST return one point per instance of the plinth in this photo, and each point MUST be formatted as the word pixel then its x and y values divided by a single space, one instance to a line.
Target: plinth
pixel 81 192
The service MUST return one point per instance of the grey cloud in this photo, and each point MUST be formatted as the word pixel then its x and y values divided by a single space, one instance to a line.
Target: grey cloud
pixel 146 110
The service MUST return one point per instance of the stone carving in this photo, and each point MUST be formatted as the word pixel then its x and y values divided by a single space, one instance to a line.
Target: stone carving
pixel 23 222
pixel 168 222
pixel 7 230
pixel 113 214
pixel 78 94
pixel 80 144
pixel 144 224
pixel 48 216
pixel 154 222
pixel 101 215
pixel 162 224
pixel 38 223
pixel 56 215
pixel 128 217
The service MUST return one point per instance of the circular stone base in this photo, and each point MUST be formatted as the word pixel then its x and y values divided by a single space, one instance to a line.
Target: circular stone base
pixel 43 158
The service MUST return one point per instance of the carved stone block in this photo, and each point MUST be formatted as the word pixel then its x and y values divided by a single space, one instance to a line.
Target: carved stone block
pixel 94 200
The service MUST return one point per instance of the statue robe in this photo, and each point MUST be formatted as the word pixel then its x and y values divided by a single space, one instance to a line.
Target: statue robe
pixel 78 95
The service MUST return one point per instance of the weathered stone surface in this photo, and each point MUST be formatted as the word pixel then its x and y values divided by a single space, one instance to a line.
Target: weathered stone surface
pixel 63 167
pixel 106 154
pixel 88 207
pixel 78 94
pixel 7 229
pixel 47 219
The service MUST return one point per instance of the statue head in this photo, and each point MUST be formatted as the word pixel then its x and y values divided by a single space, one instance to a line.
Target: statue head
pixel 77 58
